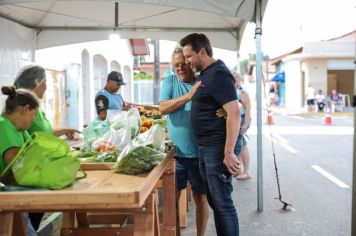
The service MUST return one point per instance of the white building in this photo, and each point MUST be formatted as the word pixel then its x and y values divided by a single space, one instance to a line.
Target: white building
pixel 325 65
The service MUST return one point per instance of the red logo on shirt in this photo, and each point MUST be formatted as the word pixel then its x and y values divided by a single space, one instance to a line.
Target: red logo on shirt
pixel 202 85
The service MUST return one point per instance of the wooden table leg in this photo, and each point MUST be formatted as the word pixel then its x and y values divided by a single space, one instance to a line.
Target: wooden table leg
pixel 6 223
pixel 145 219
pixel 183 208
pixel 170 203
pixel 68 223
pixel 82 219
pixel 12 224
pixel 156 215
pixel 19 225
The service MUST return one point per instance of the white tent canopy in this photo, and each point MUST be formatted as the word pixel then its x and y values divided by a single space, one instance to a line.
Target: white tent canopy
pixel 60 22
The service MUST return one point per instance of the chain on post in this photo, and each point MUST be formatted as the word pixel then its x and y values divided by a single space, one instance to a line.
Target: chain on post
pixel 285 204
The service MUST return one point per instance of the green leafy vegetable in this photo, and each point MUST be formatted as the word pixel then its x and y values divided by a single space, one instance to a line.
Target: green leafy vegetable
pixel 139 160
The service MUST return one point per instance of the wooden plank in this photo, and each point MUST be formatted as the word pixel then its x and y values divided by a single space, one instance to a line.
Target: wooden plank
pixel 170 204
pixel 109 218
pixel 82 219
pixel 84 194
pixel 97 166
pixel 67 223
pixel 157 229
pixel 6 223
pixel 183 209
pixel 19 226
pixel 113 231
pixel 145 220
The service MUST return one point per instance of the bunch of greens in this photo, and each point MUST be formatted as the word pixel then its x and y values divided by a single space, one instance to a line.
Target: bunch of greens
pixel 161 122
pixel 141 159
pixel 94 156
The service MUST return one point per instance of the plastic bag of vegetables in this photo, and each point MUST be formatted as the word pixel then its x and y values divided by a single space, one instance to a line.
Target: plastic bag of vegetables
pixel 143 153
pixel 120 119
pixel 96 129
pixel 113 140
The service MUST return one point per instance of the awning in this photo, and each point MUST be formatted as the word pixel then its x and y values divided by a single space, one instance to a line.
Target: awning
pixel 280 77
pixel 139 47
pixel 61 22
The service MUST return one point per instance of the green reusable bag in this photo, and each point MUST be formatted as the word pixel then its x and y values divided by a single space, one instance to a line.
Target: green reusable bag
pixel 44 162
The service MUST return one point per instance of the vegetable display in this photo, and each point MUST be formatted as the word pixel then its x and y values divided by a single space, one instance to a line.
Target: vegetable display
pixel 139 160
pixel 142 153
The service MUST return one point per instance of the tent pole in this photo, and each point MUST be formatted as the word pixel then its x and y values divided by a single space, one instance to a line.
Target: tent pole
pixel 353 215
pixel 258 33
pixel 238 69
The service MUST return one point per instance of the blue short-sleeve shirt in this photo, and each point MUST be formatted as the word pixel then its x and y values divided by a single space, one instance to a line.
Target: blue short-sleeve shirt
pixel 115 100
pixel 179 124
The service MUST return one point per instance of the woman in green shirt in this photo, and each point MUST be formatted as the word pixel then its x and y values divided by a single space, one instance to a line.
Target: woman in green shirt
pixel 20 110
pixel 33 78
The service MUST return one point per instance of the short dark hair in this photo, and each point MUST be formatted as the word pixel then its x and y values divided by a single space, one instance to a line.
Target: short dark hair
pixel 197 41
pixel 17 98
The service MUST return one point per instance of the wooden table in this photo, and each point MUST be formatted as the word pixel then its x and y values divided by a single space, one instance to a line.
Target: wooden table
pixel 102 191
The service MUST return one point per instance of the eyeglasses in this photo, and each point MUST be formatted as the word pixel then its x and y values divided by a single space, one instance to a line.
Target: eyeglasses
pixel 180 66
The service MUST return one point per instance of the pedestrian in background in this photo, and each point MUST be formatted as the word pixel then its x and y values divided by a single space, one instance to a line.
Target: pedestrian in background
pixel 310 98
pixel 244 100
pixel 320 100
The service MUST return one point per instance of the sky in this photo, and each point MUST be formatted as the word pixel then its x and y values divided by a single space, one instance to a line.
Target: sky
pixel 286 25
pixel 289 23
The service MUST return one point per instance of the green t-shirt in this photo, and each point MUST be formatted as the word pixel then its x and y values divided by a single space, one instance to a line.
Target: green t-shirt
pixel 10 138
pixel 40 123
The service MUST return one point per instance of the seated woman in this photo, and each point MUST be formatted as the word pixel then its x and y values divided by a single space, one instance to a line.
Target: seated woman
pixel 320 100
pixel 33 78
pixel 20 110
pixel 335 101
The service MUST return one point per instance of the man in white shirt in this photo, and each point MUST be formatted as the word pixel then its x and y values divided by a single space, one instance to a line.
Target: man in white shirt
pixel 310 97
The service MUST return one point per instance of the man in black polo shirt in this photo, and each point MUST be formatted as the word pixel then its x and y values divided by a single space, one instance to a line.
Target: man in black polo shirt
pixel 217 137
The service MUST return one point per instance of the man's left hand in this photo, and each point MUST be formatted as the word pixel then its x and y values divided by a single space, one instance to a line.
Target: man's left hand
pixel 232 164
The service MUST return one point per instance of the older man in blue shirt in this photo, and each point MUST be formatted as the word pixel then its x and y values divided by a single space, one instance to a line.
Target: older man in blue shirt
pixel 176 93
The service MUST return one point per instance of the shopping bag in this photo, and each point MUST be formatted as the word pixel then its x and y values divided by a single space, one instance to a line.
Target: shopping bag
pixel 44 162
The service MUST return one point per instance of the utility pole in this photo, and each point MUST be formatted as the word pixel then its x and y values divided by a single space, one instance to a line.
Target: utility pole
pixel 156 79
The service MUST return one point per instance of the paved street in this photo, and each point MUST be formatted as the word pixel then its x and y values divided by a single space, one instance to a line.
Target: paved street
pixel 315 171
